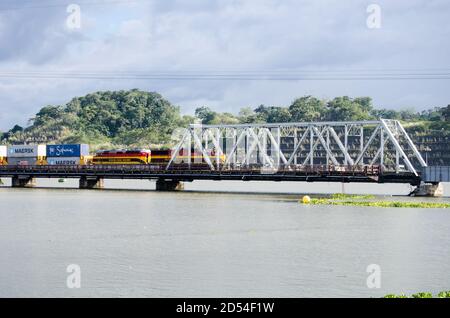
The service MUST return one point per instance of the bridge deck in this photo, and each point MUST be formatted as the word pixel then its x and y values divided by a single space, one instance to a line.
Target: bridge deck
pixel 316 173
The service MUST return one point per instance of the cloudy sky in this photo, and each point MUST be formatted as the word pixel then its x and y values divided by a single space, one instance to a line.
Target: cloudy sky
pixel 252 52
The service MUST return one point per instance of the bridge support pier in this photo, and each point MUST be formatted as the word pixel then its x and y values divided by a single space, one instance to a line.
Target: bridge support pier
pixel 429 190
pixel 169 185
pixel 91 183
pixel 23 182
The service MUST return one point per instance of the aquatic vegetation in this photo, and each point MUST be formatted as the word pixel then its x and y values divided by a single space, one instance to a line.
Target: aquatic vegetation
pixel 422 295
pixel 392 204
pixel 395 296
pixel 442 294
pixel 364 201
pixel 343 196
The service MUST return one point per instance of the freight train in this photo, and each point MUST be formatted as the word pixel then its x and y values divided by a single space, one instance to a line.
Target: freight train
pixel 78 154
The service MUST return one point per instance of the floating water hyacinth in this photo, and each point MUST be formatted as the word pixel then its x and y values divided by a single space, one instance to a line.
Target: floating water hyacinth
pixel 442 294
pixel 362 200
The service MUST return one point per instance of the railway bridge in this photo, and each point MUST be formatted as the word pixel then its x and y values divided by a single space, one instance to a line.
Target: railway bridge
pixel 378 151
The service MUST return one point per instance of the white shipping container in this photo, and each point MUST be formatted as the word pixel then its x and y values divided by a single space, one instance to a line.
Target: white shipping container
pixel 3 151
pixel 26 151
pixel 22 161
pixel 64 161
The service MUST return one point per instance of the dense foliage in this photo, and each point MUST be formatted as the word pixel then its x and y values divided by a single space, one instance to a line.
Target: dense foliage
pixel 138 118
pixel 309 108
pixel 104 118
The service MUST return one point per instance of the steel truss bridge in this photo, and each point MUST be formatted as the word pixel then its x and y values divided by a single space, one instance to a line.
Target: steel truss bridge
pixel 290 146
pixel 354 151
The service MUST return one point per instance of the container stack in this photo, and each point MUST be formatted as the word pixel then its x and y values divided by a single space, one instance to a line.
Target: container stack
pixel 3 154
pixel 77 154
pixel 29 155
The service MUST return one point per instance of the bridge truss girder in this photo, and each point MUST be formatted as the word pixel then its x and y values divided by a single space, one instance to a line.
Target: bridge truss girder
pixel 351 144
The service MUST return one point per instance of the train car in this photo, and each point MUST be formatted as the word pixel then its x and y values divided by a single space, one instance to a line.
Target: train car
pixel 68 150
pixel 69 154
pixel 122 157
pixel 26 155
pixel 69 161
pixel 164 156
pixel 3 155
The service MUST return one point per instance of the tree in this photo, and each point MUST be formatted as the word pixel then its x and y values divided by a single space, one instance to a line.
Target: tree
pixel 344 108
pixel 307 108
pixel 434 114
pixel 224 119
pixel 205 114
pixel 15 129
pixel 385 114
pixel 446 113
pixel 279 115
pixel 262 113
pixel 47 113
pixel 365 103
pixel 247 116
pixel 408 114
pixel 272 114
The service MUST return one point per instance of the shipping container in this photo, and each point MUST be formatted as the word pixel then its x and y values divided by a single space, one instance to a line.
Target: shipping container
pixel 77 150
pixel 3 151
pixel 26 151
pixel 23 161
pixel 61 161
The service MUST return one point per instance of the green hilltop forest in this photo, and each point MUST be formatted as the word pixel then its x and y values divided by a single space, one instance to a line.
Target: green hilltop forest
pixel 137 118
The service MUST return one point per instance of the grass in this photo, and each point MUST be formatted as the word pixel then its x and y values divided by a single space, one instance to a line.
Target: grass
pixel 342 196
pixel 362 201
pixel 442 294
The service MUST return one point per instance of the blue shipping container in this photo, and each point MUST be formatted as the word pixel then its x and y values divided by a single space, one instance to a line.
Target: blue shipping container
pixel 67 150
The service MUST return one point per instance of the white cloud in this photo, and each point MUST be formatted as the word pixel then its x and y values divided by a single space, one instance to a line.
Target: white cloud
pixel 225 35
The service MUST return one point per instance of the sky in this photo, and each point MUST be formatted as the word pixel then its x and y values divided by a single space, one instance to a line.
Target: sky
pixel 251 52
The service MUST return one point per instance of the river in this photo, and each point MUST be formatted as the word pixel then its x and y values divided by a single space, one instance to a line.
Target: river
pixel 216 239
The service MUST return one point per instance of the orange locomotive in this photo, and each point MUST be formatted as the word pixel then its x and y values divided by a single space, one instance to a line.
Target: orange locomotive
pixel 144 156
pixel 122 157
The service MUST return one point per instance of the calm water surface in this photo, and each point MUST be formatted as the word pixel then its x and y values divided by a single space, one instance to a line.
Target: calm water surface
pixel 204 244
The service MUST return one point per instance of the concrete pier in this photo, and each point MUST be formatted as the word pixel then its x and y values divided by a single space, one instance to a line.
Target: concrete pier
pixel 169 185
pixel 429 190
pixel 91 183
pixel 23 182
